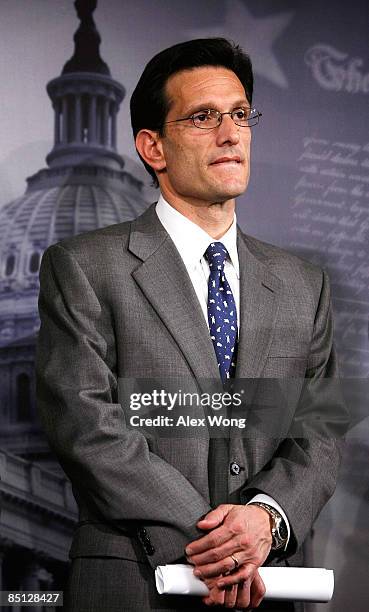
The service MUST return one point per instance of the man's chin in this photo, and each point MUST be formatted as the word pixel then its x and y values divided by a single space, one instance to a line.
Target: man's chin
pixel 229 192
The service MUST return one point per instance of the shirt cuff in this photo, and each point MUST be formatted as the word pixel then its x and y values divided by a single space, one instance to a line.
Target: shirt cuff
pixel 266 499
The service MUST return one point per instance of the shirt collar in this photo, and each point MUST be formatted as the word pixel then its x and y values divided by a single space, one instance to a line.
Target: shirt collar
pixel 190 239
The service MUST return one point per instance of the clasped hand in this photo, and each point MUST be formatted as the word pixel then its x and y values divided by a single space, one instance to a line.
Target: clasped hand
pixel 241 531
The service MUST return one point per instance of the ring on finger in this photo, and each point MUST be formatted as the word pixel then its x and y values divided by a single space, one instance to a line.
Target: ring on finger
pixel 235 561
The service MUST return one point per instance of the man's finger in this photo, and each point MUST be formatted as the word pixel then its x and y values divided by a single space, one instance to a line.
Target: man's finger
pixel 214 539
pixel 215 555
pixel 257 591
pixel 216 569
pixel 215 597
pixel 245 573
pixel 230 596
pixel 214 517
pixel 243 595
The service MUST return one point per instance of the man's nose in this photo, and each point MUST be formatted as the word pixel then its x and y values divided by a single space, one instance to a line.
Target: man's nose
pixel 228 131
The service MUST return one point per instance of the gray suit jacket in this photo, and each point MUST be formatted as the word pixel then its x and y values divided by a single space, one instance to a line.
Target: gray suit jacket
pixel 118 303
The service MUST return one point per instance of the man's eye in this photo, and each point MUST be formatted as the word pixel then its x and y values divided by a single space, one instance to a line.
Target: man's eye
pixel 241 113
pixel 202 117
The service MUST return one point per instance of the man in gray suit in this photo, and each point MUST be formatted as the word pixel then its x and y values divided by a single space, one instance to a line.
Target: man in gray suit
pixel 146 300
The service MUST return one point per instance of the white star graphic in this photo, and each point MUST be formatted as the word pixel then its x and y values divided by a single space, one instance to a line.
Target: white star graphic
pixel 255 34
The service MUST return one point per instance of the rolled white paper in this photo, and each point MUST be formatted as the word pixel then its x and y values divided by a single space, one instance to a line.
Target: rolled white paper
pixel 314 584
pixel 178 580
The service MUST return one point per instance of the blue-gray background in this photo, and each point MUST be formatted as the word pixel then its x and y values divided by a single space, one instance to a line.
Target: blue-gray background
pixel 309 190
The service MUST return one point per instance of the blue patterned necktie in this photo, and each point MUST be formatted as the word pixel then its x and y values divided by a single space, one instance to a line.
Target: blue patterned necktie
pixel 222 314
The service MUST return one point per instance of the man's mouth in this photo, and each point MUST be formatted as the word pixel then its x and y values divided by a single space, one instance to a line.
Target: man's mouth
pixel 227 160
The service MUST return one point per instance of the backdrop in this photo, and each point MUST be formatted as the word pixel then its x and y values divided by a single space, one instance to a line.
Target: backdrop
pixel 309 188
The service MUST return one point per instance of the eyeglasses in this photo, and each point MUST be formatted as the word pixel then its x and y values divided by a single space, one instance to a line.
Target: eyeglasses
pixel 209 118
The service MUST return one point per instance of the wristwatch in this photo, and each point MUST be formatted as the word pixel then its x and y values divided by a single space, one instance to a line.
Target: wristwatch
pixel 278 526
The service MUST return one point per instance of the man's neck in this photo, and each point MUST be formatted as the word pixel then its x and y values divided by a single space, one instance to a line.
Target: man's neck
pixel 214 218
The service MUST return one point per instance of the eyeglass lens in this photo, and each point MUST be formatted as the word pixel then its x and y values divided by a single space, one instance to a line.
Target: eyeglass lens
pixel 212 118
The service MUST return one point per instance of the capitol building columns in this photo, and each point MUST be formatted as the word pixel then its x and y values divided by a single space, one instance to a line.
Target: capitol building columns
pixel 92 119
pixel 37 578
pixel 78 118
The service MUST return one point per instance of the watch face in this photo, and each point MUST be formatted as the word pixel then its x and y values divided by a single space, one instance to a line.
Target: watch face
pixel 283 530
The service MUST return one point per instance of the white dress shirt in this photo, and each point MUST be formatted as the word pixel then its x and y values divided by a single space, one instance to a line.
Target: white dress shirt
pixel 191 242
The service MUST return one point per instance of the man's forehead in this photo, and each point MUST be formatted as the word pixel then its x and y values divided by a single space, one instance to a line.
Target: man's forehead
pixel 191 85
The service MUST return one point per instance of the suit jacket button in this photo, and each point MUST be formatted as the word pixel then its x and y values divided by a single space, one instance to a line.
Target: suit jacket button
pixel 149 549
pixel 234 468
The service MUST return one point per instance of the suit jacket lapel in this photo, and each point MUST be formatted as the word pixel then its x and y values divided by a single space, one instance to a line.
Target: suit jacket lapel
pixel 259 300
pixel 164 280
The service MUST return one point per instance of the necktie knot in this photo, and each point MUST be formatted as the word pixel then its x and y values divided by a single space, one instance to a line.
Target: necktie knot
pixel 216 254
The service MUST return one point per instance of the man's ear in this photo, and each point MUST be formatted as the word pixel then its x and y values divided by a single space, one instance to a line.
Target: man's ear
pixel 149 146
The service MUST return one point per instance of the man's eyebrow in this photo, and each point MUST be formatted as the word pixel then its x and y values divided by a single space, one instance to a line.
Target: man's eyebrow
pixel 194 108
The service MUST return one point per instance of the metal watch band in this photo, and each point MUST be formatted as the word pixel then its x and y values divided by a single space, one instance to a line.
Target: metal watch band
pixel 278 540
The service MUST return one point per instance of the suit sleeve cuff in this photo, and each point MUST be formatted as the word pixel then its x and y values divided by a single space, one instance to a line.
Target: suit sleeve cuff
pixel 266 499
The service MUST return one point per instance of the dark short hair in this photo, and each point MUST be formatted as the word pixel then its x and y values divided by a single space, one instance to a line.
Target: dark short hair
pixel 149 104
